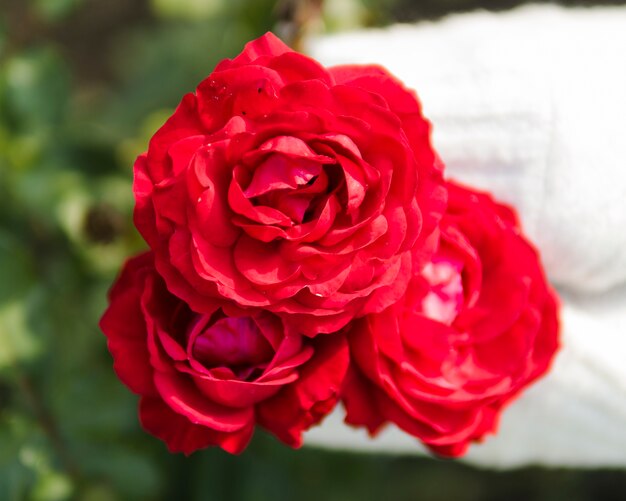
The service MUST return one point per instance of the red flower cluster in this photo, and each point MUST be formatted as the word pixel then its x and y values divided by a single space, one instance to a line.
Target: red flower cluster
pixel 305 249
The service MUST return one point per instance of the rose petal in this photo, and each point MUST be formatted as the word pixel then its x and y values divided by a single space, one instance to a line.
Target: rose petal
pixel 266 45
pixel 183 397
pixel 263 263
pixel 181 435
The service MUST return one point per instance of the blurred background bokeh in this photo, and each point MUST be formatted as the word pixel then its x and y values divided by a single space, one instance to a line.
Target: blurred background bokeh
pixel 83 85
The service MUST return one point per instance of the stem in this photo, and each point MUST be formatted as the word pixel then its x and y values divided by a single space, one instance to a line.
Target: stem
pixel 298 18
pixel 47 423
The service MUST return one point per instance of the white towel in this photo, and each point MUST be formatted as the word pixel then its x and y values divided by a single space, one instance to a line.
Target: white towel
pixel 531 105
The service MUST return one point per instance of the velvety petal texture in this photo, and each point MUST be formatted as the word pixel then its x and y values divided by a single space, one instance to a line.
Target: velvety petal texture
pixel 477 324
pixel 207 379
pixel 284 185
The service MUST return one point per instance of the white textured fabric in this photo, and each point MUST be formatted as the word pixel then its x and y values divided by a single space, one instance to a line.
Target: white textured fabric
pixel 531 105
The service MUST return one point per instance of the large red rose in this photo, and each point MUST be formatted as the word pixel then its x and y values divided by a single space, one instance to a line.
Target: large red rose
pixel 477 324
pixel 208 379
pixel 284 185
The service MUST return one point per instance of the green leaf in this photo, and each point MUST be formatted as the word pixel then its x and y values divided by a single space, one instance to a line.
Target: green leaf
pixel 187 9
pixel 55 10
pixel 16 268
pixel 37 88
pixel 98 492
pixel 51 486
pixel 17 433
pixel 17 342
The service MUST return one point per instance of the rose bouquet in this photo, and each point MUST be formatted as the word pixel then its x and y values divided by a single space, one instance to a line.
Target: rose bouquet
pixel 305 250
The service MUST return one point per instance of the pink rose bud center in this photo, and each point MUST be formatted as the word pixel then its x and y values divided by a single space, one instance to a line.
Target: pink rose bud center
pixel 445 298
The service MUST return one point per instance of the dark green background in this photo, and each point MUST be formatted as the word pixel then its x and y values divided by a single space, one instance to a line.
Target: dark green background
pixel 83 85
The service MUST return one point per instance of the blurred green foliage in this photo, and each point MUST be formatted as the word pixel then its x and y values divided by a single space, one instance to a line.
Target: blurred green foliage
pixel 83 85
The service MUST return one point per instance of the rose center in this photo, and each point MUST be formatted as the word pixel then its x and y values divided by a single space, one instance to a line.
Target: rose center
pixel 288 176
pixel 233 342
pixel 445 298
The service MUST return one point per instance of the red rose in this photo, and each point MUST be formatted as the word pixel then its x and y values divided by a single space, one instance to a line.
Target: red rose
pixel 287 186
pixel 207 379
pixel 477 324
